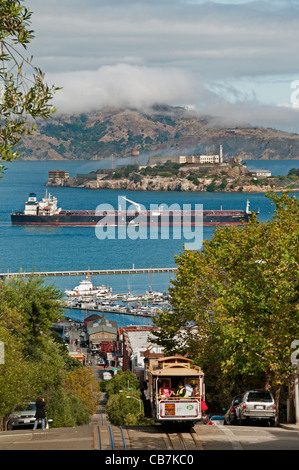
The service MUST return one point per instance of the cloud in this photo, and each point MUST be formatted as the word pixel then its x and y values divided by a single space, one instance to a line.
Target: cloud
pixel 138 52
pixel 256 114
pixel 122 85
pixel 140 87
pixel 213 39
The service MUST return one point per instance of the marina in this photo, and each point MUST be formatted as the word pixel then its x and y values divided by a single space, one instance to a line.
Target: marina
pixel 115 309
pixel 86 297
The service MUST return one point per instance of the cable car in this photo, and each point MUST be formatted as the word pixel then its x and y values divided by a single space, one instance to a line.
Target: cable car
pixel 164 379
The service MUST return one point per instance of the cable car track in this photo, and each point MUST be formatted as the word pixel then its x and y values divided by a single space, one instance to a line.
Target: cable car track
pixel 110 437
pixel 183 441
pixel 106 436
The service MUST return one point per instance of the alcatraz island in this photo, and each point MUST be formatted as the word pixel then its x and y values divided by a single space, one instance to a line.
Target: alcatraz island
pixel 180 173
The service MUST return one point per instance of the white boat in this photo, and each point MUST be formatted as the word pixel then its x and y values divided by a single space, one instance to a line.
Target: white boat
pixel 152 295
pixel 85 288
pixel 130 298
pixel 104 293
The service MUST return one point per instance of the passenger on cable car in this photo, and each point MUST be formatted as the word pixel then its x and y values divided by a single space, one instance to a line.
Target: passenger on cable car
pixel 196 392
pixel 165 391
pixel 162 394
pixel 204 407
pixel 181 391
pixel 189 387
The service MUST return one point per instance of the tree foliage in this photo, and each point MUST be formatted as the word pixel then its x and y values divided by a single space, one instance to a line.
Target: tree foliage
pixel 238 300
pixel 86 386
pixel 121 410
pixel 121 381
pixel 35 361
pixel 38 303
pixel 23 91
pixel 66 409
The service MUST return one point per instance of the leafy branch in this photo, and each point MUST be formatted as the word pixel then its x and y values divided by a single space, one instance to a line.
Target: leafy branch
pixel 24 95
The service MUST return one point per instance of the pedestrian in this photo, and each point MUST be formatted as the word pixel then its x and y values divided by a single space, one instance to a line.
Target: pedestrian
pixel 146 400
pixel 40 414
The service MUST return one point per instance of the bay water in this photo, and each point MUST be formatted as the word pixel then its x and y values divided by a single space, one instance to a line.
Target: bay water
pixel 78 248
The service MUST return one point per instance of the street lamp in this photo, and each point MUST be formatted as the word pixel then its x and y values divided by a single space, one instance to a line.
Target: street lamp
pixel 140 401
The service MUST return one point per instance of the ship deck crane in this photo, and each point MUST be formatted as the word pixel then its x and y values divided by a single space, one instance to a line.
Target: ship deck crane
pixel 138 207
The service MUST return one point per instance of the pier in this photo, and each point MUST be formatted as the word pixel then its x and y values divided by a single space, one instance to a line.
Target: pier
pixel 119 311
pixel 91 272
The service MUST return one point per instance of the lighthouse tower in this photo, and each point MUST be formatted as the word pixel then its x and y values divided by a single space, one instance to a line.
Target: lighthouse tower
pixel 221 155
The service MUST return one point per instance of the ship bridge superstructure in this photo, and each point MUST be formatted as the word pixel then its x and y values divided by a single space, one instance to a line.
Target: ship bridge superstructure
pixel 47 206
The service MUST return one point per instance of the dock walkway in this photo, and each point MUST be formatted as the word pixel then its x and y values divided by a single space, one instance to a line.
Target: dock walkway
pixel 91 272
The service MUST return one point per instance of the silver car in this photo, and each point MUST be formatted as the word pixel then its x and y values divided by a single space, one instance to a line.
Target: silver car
pixel 257 405
pixel 22 416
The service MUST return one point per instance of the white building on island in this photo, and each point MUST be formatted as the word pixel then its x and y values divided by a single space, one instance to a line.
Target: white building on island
pixel 191 159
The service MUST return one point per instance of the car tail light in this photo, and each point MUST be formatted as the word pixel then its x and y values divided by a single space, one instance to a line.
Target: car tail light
pixel 244 407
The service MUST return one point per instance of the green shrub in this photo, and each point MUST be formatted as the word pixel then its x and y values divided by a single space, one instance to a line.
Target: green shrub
pixel 67 410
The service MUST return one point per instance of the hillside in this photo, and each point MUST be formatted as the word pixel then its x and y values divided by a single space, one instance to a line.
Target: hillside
pixel 164 130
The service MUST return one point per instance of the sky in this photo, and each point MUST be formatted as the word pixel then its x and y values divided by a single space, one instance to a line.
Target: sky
pixel 234 59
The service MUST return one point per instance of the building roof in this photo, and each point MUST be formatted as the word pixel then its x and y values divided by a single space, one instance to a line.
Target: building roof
pixel 93 327
pixel 102 327
pixel 137 338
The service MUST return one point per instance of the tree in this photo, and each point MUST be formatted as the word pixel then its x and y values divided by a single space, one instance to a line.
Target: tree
pixel 23 91
pixel 66 409
pixel 83 382
pixel 15 375
pixel 121 381
pixel 240 295
pixel 120 409
pixel 34 364
pixel 124 411
pixel 38 303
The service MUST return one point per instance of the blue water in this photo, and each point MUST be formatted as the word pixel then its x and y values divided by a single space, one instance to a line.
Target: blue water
pixel 78 248
pixel 277 167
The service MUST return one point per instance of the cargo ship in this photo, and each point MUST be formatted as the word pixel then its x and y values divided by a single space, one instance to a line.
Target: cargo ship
pixel 46 212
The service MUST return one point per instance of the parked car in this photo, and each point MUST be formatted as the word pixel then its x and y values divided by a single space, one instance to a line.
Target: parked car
pixel 231 416
pixel 216 420
pixel 22 416
pixel 257 405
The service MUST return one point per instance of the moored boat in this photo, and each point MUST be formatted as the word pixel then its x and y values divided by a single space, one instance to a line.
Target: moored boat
pixel 86 288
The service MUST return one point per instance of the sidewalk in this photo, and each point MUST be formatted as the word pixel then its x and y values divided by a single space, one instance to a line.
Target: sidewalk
pixel 289 426
pixel 77 438
pixel 83 437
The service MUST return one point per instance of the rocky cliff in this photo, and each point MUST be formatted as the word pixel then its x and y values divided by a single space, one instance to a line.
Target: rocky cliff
pixel 228 177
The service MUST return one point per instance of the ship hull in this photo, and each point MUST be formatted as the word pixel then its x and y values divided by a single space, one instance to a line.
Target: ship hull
pixel 88 218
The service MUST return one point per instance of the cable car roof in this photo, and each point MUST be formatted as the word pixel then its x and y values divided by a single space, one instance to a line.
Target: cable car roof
pixel 179 366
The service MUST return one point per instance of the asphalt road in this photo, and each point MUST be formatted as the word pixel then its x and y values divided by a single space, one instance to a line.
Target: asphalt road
pixel 150 438
pixel 85 438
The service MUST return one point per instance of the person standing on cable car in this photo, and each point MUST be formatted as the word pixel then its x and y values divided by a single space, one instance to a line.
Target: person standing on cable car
pixel 181 391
